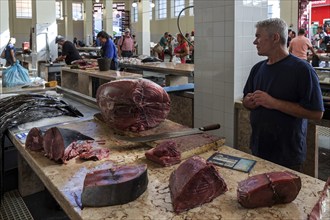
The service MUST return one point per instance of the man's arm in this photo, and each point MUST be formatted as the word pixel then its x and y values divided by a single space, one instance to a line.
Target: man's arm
pixel 312 50
pixel 294 109
pixel 12 54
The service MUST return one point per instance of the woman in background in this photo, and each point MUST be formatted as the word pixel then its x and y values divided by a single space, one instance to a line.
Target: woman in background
pixel 10 52
pixel 182 49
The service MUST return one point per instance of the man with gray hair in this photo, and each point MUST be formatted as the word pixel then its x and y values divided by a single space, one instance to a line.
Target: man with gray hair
pixel 281 92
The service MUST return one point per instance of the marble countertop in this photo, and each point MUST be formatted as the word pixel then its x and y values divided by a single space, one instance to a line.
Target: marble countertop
pixel 164 67
pixel 108 75
pixel 65 182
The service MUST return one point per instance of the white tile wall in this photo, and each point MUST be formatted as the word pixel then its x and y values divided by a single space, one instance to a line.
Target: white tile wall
pixel 224 56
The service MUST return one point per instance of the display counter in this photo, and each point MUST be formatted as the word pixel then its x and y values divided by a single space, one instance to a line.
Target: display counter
pixel 175 74
pixel 81 80
pixel 243 132
pixel 65 182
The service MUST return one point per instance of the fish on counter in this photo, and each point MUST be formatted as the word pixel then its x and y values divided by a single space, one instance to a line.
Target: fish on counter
pixel 268 189
pixel 95 154
pixel 34 139
pixel 194 183
pixel 115 186
pixel 165 154
pixel 62 144
pixel 133 104
pixel 23 108
pixel 321 210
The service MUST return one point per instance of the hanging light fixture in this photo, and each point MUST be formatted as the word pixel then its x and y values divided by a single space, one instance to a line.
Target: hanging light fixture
pixel 97 1
pixel 152 4
pixel 134 4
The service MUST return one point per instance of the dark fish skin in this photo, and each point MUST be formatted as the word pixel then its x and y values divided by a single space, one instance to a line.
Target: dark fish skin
pixel 23 108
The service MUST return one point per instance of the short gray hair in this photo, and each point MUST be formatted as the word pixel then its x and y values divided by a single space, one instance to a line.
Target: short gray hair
pixel 273 26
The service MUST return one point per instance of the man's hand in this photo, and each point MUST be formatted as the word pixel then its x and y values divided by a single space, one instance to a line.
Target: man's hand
pixel 263 99
pixel 249 101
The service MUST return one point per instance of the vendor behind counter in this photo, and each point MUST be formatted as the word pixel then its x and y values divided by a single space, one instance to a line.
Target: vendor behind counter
pixel 69 51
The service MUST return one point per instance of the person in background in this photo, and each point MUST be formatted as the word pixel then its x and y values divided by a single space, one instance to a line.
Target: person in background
pixel 171 46
pixel 75 42
pixel 181 50
pixel 282 93
pixel 10 52
pixel 293 35
pixel 135 45
pixel 126 44
pixel 69 50
pixel 108 49
pixel 163 42
pixel 300 45
pixel 289 38
pixel 187 36
pixel 192 37
pixel 318 38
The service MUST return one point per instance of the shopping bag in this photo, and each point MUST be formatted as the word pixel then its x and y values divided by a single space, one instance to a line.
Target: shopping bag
pixel 15 75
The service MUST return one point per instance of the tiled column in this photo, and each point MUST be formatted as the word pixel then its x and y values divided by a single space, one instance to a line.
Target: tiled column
pixel 143 27
pixel 45 29
pixel 67 6
pixel 4 26
pixel 224 55
pixel 107 17
pixel 88 22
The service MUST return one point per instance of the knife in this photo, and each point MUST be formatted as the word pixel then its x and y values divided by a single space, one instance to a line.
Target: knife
pixel 167 135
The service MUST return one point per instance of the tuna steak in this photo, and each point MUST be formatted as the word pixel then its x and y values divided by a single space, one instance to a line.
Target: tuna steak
pixel 268 189
pixel 194 183
pixel 34 139
pixel 114 186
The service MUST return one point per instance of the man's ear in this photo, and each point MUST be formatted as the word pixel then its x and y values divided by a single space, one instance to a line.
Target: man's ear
pixel 276 37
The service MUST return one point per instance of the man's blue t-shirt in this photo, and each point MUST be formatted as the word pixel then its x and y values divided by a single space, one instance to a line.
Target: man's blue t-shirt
pixel 276 136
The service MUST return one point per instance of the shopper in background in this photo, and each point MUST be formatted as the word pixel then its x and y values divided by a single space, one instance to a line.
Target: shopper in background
pixel 171 46
pixel 69 50
pixel 181 50
pixel 289 38
pixel 135 45
pixel 319 37
pixel 300 45
pixel 126 45
pixel 163 43
pixel 108 49
pixel 281 92
pixel 9 52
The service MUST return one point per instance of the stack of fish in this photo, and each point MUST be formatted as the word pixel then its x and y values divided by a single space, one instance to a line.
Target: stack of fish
pixel 20 109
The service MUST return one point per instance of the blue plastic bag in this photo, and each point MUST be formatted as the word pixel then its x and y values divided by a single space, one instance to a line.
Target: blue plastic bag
pixel 15 75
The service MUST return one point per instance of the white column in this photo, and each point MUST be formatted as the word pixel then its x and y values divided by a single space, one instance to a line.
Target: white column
pixel 4 26
pixel 67 10
pixel 45 29
pixel 289 13
pixel 108 17
pixel 224 55
pixel 143 27
pixel 88 22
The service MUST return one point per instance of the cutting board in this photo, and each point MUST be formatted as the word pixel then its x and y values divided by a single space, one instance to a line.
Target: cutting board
pixel 188 145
